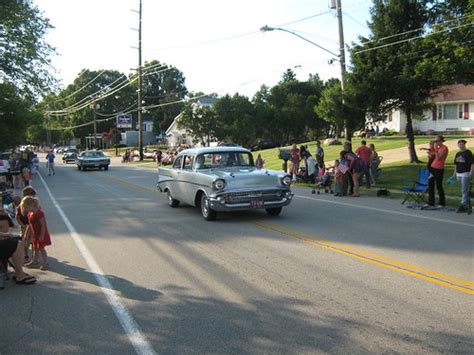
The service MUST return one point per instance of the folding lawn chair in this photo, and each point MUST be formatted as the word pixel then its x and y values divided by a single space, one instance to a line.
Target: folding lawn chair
pixel 417 191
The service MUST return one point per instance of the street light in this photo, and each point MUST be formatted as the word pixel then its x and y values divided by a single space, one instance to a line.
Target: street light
pixel 268 29
pixel 340 57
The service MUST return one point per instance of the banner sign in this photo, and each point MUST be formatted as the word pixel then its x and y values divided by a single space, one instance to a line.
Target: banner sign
pixel 124 121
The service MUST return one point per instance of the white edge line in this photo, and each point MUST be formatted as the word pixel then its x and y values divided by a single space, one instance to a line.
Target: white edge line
pixel 139 342
pixel 388 211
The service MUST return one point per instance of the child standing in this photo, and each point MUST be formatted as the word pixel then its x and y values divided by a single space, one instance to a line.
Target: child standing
pixel 21 217
pixel 39 230
pixel 25 173
pixel 259 162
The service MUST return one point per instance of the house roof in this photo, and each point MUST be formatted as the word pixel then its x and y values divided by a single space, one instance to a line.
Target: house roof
pixel 206 101
pixel 457 92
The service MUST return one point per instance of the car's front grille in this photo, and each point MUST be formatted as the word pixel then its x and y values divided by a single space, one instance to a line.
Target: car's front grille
pixel 247 196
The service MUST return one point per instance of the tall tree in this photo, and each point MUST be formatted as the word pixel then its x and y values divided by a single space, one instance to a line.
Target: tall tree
pixel 392 75
pixel 111 91
pixel 24 53
pixel 163 87
pixel 236 120
pixel 289 75
pixel 199 122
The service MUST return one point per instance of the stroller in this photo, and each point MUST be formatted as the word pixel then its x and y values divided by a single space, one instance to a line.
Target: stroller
pixel 324 182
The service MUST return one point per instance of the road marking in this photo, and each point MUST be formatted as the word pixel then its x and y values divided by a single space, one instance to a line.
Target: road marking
pixel 131 328
pixel 388 263
pixel 388 211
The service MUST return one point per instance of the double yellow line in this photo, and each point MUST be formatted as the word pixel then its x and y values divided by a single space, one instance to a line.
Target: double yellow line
pixel 379 260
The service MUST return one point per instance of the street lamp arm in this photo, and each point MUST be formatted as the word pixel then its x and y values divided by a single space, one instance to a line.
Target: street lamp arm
pixel 267 29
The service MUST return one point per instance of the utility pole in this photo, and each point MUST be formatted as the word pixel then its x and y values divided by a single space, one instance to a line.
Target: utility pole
pixel 342 60
pixel 95 106
pixel 140 118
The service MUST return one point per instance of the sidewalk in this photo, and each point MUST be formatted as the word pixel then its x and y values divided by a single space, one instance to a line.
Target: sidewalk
pixel 398 154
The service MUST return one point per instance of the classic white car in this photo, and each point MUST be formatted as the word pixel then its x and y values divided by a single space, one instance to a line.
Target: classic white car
pixel 223 179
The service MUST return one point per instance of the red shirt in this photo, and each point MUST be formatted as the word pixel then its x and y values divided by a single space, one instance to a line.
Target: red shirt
pixel 364 153
pixel 438 163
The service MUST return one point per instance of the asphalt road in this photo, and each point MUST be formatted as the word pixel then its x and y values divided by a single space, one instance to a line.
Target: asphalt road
pixel 329 275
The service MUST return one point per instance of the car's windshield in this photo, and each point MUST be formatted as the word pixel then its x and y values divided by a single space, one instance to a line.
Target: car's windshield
pixel 223 159
pixel 93 155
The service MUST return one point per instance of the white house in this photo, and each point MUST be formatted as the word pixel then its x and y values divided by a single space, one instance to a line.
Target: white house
pixel 453 111
pixel 175 135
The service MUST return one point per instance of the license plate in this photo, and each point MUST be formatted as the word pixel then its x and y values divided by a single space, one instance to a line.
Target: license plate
pixel 256 204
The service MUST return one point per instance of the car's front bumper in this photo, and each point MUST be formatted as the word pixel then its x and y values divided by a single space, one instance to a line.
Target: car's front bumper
pixel 224 202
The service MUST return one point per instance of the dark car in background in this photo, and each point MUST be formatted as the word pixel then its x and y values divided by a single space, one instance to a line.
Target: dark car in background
pixel 92 159
pixel 70 156
pixel 264 145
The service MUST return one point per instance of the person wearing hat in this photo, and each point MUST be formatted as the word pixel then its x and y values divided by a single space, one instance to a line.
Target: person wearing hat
pixel 12 247
pixel 437 172
pixel 463 171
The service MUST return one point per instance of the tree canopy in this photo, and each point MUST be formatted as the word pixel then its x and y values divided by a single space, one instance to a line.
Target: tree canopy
pixel 24 53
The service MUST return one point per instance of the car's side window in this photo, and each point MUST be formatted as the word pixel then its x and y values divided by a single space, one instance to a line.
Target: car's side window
pixel 188 162
pixel 178 162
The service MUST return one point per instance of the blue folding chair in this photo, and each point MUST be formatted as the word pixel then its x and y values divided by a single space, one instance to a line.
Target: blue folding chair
pixel 417 191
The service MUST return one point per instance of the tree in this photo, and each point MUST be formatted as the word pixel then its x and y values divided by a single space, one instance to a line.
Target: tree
pixel 15 116
pixel 292 104
pixel 113 91
pixel 163 87
pixel 398 72
pixel 289 75
pixel 330 107
pixel 236 120
pixel 199 122
pixel 24 53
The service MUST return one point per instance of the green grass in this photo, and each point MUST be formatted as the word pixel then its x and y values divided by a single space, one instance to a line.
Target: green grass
pixel 332 152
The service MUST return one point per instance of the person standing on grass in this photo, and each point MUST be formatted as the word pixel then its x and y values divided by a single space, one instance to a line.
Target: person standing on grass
pixel 463 171
pixel 319 153
pixel 295 161
pixel 437 172
pixel 365 153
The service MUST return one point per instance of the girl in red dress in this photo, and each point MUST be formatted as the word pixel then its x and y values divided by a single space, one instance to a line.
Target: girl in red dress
pixel 39 230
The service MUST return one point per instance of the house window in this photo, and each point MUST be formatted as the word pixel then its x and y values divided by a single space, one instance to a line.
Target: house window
pixel 390 116
pixel 450 112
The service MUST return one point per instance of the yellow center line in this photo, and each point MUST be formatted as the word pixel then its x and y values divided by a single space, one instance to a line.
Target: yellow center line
pixel 388 263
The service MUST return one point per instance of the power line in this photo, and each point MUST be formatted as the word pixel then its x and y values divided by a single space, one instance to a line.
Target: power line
pixel 414 30
pixel 411 39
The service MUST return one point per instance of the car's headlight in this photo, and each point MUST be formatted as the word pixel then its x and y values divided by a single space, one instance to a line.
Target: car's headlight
pixel 219 184
pixel 286 180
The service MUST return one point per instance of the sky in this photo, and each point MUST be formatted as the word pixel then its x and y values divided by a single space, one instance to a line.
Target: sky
pixel 217 44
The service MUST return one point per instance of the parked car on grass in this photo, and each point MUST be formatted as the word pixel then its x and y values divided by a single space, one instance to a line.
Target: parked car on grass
pixel 92 159
pixel 222 179
pixel 264 145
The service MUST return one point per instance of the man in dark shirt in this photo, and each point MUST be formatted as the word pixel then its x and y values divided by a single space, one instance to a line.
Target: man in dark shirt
pixel 463 171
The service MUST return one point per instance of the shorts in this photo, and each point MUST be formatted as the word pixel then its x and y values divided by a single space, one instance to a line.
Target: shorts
pixel 8 247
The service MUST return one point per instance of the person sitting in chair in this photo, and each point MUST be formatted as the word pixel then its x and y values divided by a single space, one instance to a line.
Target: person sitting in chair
pixel 12 247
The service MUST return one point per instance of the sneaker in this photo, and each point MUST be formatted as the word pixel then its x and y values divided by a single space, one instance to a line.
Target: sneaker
pixel 313 191
pixel 461 209
pixel 44 267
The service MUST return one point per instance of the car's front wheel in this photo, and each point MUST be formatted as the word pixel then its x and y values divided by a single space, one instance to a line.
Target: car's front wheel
pixel 79 167
pixel 171 201
pixel 273 211
pixel 106 167
pixel 206 211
